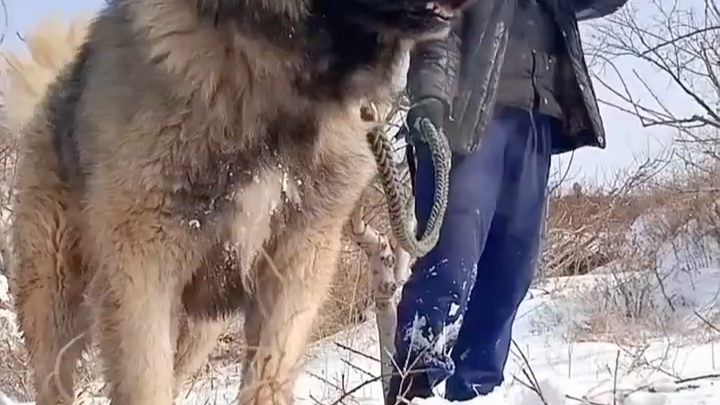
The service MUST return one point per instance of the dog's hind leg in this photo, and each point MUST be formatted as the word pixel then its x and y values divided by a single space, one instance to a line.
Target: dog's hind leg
pixel 289 293
pixel 48 288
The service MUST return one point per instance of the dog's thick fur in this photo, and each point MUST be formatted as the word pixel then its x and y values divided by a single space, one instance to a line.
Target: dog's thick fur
pixel 51 44
pixel 195 158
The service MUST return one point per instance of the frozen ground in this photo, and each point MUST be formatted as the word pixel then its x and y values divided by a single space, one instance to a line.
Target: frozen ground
pixel 343 368
pixel 567 372
pixel 553 332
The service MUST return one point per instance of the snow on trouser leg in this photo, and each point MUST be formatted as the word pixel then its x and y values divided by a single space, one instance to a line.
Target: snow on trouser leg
pixel 435 296
pixel 507 264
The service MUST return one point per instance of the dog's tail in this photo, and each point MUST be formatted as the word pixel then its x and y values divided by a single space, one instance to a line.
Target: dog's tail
pixel 51 44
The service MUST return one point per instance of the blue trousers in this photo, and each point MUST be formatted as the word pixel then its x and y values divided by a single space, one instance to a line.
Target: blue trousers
pixel 457 308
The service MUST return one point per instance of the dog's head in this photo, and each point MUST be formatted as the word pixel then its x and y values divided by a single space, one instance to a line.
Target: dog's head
pixel 413 19
pixel 405 18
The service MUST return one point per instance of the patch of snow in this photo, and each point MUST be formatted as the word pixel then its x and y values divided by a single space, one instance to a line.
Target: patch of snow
pixel 645 398
pixel 564 369
pixel 4 290
pixel 568 371
pixel 550 392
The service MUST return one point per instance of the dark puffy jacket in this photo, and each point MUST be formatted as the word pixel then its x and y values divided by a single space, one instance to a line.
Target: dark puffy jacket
pixel 463 71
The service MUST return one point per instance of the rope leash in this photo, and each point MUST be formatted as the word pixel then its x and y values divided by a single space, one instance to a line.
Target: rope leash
pixel 382 149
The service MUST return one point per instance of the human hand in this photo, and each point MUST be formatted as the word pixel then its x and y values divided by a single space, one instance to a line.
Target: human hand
pixel 431 108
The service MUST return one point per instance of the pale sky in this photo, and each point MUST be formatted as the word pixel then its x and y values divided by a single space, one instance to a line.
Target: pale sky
pixel 627 140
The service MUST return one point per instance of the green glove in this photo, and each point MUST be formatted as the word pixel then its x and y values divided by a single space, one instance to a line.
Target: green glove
pixel 431 108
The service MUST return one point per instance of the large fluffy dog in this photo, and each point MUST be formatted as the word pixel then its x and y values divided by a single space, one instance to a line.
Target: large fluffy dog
pixel 198 157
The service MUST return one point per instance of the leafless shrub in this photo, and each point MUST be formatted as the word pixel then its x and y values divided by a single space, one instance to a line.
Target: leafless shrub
pixel 659 227
pixel 14 378
pixel 664 239
pixel 677 39
pixel 586 227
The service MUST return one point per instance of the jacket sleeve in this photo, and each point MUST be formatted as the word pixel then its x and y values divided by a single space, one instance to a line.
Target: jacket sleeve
pixel 433 68
pixel 592 9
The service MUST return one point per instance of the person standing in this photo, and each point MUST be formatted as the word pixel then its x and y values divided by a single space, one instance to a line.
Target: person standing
pixel 509 87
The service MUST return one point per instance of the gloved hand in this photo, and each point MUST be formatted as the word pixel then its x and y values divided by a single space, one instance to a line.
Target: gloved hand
pixel 431 108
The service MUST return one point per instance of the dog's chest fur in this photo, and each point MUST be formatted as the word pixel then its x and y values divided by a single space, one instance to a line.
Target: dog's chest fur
pixel 208 185
pixel 287 190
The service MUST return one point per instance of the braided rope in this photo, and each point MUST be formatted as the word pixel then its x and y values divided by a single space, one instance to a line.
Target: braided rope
pixel 382 149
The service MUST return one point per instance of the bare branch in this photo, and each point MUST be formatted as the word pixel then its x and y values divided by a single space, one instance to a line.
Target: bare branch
pixel 676 40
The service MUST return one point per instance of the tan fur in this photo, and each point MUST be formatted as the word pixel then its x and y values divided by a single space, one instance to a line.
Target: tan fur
pixel 51 44
pixel 168 141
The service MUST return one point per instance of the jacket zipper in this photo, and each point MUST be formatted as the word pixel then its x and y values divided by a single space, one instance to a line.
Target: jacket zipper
pixel 535 102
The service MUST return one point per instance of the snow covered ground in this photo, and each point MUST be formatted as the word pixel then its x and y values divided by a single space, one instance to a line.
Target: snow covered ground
pixel 554 331
pixel 567 372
